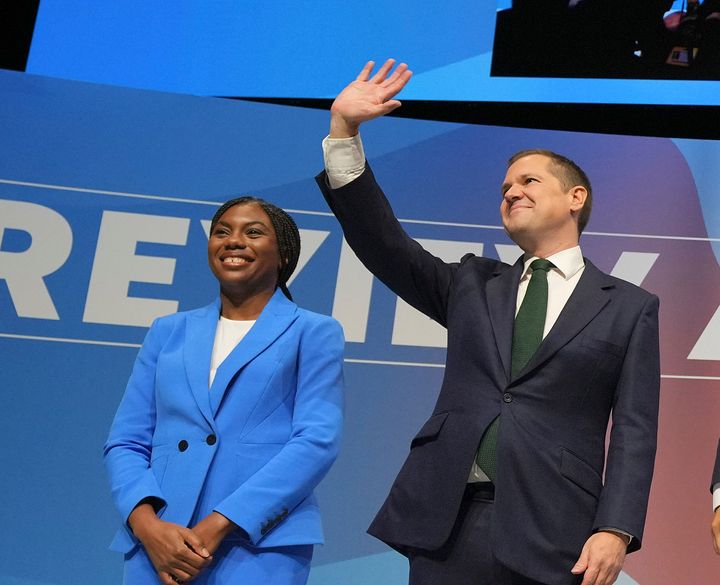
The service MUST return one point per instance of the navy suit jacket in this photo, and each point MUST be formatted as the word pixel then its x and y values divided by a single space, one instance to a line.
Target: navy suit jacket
pixel 253 446
pixel 716 470
pixel 553 487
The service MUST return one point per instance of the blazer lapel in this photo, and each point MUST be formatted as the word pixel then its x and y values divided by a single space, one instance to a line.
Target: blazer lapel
pixel 501 294
pixel 586 301
pixel 273 321
pixel 199 340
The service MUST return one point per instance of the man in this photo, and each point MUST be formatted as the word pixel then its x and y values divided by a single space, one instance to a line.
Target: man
pixel 504 482
pixel 715 489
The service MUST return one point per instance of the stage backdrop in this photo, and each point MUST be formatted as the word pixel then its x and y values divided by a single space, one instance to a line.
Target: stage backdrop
pixel 105 197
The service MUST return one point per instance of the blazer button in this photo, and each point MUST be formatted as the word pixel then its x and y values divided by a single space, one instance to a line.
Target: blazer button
pixel 182 445
pixel 211 439
pixel 507 397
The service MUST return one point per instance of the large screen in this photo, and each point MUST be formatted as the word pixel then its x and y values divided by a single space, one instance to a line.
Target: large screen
pixel 586 51
pixel 105 199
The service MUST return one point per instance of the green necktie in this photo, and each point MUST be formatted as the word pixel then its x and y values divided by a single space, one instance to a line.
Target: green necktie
pixel 527 336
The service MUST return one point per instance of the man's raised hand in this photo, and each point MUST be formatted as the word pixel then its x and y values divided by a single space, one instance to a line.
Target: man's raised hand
pixel 367 98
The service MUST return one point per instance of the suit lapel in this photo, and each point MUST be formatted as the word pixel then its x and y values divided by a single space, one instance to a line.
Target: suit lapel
pixel 274 320
pixel 199 340
pixel 589 297
pixel 501 294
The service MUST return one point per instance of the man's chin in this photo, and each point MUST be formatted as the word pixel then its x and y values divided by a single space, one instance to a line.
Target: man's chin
pixel 516 230
pixel 521 235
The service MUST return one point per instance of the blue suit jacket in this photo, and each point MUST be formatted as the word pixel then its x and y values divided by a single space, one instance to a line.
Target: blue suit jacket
pixel 253 446
pixel 600 357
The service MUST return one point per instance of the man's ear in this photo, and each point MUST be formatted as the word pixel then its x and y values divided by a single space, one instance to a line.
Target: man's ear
pixel 578 195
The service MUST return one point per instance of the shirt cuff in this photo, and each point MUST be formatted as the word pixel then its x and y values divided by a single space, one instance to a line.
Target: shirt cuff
pixel 618 531
pixel 344 160
pixel 716 496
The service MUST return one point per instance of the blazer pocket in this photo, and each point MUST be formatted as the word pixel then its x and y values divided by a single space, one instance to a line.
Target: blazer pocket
pixel 603 346
pixel 430 429
pixel 580 473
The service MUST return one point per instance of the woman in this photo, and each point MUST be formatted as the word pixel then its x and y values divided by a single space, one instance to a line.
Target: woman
pixel 231 417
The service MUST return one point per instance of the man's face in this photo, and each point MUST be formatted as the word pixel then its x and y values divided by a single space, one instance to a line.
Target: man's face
pixel 535 206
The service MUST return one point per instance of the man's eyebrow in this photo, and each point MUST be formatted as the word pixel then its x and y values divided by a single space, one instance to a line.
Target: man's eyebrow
pixel 505 186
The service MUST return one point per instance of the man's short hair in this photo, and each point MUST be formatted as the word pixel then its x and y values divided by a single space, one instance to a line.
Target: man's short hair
pixel 568 173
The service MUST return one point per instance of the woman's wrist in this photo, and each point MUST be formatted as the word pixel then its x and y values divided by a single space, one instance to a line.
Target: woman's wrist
pixel 142 516
pixel 222 524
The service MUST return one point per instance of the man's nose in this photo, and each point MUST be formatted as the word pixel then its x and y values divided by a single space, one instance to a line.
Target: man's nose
pixel 513 194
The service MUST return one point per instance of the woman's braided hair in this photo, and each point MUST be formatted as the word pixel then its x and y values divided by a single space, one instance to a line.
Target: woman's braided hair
pixel 286 234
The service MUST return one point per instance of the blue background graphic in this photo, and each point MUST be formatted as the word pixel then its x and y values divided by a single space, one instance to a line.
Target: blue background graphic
pixel 89 152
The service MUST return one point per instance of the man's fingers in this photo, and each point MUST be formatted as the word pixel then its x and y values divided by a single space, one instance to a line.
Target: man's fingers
pixel 365 72
pixel 715 531
pixel 612 576
pixel 395 75
pixel 607 576
pixel 396 86
pixel 599 573
pixel 582 562
pixel 590 577
pixel 389 106
pixel 383 71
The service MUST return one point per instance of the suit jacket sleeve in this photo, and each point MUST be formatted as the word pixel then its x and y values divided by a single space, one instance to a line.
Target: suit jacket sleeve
pixel 267 497
pixel 128 449
pixel 633 438
pixel 375 235
pixel 716 470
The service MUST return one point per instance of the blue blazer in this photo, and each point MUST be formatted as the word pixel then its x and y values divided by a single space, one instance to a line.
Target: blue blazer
pixel 251 447
pixel 553 487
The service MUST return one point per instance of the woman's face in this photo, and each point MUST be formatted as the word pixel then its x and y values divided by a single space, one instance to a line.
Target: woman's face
pixel 243 251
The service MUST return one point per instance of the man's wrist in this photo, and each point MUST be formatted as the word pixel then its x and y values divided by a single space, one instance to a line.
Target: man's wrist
pixel 341 128
pixel 624 536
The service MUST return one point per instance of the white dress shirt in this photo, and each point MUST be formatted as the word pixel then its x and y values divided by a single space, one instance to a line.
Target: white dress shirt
pixel 562 279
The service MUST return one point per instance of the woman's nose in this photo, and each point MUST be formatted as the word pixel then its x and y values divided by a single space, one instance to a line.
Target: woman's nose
pixel 235 240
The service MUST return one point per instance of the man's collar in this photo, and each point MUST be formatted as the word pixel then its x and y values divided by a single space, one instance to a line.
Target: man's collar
pixel 567 262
